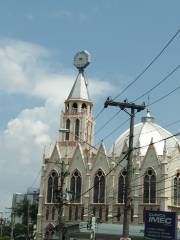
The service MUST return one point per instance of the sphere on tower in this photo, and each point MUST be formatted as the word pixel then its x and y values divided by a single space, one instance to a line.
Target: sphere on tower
pixel 82 59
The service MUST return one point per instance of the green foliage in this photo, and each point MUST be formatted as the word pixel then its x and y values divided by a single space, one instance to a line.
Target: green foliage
pixel 27 210
pixel 7 231
pixel 33 210
pixel 5 238
pixel 20 229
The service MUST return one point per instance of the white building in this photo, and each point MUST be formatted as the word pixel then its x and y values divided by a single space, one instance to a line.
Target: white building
pixel 155 176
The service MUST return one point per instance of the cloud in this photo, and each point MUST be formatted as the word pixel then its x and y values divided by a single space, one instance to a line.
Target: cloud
pixel 26 69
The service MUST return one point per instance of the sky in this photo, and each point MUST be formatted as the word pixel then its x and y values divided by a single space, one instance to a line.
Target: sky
pixel 38 40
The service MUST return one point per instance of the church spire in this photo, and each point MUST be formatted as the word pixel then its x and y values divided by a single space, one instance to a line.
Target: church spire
pixel 80 88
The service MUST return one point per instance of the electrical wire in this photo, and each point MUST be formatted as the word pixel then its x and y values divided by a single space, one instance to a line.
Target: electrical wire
pixel 150 64
pixel 159 83
pixel 121 161
pixel 141 96
pixel 144 70
pixel 165 96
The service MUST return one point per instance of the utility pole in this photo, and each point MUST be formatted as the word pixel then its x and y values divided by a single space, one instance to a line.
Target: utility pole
pixel 60 199
pixel 127 194
pixel 61 195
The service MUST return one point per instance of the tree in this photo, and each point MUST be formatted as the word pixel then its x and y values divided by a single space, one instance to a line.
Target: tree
pixel 20 229
pixel 28 211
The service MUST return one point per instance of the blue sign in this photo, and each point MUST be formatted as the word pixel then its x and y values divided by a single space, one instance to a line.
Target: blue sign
pixel 160 225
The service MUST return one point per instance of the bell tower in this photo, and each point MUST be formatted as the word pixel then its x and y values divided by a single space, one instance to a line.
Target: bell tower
pixel 77 116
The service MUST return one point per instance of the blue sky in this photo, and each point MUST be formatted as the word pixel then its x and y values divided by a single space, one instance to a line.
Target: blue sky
pixel 38 40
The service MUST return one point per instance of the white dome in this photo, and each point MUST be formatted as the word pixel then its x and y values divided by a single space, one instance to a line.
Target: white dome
pixel 145 133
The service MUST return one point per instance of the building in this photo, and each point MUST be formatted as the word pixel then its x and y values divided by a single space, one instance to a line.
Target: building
pixel 22 209
pixel 96 178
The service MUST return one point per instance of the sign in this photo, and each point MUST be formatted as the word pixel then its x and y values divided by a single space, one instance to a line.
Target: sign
pixel 160 225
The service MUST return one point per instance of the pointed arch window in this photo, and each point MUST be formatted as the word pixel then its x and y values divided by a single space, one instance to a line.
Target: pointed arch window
pixel 84 106
pixel 52 187
pixel 67 127
pixel 76 182
pixel 77 123
pixel 121 186
pixel 53 212
pixel 47 213
pixel 150 186
pixel 177 189
pixel 99 187
pixel 75 107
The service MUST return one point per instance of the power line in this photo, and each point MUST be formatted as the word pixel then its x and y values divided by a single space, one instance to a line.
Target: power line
pixel 150 64
pixel 159 83
pixel 144 70
pixel 144 94
pixel 120 162
pixel 156 101
pixel 106 123
pixel 166 95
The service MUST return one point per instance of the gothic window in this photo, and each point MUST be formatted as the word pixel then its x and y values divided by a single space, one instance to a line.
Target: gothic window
pixel 82 213
pixel 67 127
pixel 100 213
pixel 75 107
pixel 76 213
pixel 94 211
pixel 70 213
pixel 150 186
pixel 99 187
pixel 52 187
pixel 84 106
pixel 76 186
pixel 132 214
pixel 77 129
pixel 118 214
pixel 47 213
pixel 67 107
pixel 53 213
pixel 107 212
pixel 177 189
pixel 121 186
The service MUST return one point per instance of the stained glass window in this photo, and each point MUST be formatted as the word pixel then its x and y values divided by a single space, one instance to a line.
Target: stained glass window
pixel 76 186
pixel 52 187
pixel 177 189
pixel 53 212
pixel 150 186
pixel 99 187
pixel 121 188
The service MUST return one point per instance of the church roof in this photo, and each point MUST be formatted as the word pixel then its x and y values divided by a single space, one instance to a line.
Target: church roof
pixel 79 89
pixel 145 133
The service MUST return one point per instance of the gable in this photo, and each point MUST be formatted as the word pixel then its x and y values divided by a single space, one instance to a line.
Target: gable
pixel 150 159
pixel 55 155
pixel 78 161
pixel 101 160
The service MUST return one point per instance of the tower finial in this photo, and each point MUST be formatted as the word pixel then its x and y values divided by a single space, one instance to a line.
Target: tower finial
pixel 148 110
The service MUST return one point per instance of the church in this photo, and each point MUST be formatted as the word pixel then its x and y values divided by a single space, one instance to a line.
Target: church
pixel 95 178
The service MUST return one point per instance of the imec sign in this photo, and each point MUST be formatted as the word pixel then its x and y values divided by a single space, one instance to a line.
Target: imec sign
pixel 160 225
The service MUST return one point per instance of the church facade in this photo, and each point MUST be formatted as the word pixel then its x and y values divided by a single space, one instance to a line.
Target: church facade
pixel 96 178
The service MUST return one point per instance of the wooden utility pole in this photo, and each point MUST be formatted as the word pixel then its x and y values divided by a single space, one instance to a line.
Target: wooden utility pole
pixel 127 196
pixel 61 200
